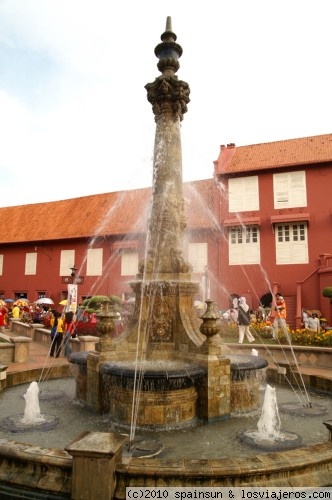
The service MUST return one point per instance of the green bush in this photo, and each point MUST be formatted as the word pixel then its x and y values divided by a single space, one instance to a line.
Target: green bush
pixel 93 303
pixel 327 292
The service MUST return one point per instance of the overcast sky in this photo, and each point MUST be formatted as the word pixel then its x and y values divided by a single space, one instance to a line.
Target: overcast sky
pixel 74 118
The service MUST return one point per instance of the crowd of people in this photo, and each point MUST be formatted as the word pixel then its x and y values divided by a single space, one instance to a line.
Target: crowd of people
pixel 63 325
pixel 274 315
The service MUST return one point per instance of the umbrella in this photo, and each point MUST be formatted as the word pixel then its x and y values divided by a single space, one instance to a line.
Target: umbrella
pixel 3 303
pixel 21 302
pixel 9 300
pixel 45 300
pixel 63 302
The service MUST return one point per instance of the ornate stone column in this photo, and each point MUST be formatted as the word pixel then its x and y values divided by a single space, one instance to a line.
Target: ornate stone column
pixel 164 291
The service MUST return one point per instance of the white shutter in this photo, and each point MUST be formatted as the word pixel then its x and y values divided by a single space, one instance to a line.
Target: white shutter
pixel 290 251
pixel 31 263
pixel 283 253
pixel 67 260
pixel 289 190
pixel 250 193
pixel 198 256
pixel 129 262
pixel 235 195
pixel 94 262
pixel 280 190
pixel 252 253
pixel 300 252
pixel 1 265
pixel 236 255
pixel 297 188
pixel 243 194
pixel 244 245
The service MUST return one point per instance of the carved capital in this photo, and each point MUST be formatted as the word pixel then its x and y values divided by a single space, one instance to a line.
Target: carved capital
pixel 168 95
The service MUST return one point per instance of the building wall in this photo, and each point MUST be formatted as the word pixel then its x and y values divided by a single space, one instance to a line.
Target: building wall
pixel 255 280
pixel 47 278
pixel 251 281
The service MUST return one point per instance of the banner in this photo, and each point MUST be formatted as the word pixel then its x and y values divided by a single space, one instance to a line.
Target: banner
pixel 72 298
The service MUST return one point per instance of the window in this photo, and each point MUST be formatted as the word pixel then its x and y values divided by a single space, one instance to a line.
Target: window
pixel 244 245
pixel 67 260
pixel 30 263
pixel 94 262
pixel 290 190
pixel 129 262
pixel 198 256
pixel 1 265
pixel 291 243
pixel 243 194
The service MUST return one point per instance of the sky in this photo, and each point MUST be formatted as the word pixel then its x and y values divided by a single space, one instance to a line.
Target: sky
pixel 74 117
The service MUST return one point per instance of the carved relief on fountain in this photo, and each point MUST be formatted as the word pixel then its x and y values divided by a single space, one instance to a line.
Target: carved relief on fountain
pixel 161 328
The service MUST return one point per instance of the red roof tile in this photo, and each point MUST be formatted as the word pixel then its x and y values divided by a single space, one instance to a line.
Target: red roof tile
pixel 291 152
pixel 118 213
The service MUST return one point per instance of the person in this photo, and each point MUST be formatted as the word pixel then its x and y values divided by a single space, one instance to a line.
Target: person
pixel 16 311
pixel 3 313
pixel 235 302
pixel 244 321
pixel 279 314
pixel 313 322
pixel 56 334
pixel 69 329
pixel 305 318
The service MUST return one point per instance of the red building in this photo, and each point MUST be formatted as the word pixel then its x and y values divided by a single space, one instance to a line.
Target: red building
pixel 277 221
pixel 264 223
pixel 101 236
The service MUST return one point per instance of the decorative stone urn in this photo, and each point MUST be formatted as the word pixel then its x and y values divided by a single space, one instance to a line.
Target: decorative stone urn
pixel 210 321
pixel 107 316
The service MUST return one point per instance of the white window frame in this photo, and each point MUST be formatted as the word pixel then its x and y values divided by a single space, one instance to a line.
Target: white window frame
pixel 291 243
pixel 94 262
pixel 129 262
pixel 67 260
pixel 30 264
pixel 243 194
pixel 289 189
pixel 198 256
pixel 244 245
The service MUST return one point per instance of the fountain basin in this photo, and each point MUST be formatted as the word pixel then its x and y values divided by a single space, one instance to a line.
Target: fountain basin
pixel 246 373
pixel 285 441
pixel 168 393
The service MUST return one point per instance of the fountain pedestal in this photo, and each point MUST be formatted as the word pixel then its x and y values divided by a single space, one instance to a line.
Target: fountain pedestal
pixel 214 392
pixel 95 455
pixel 105 327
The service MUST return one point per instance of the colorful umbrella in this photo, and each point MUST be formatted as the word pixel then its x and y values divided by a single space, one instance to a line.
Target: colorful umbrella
pixel 63 302
pixel 3 304
pixel 21 303
pixel 45 300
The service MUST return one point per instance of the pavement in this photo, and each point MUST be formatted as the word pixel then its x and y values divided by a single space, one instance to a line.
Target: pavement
pixel 38 358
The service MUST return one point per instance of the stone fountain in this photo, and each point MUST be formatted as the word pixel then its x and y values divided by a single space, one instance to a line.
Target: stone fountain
pixel 169 368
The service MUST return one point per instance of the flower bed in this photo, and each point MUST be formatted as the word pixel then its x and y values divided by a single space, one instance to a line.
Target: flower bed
pixel 262 331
